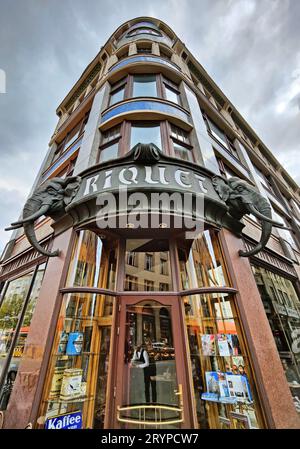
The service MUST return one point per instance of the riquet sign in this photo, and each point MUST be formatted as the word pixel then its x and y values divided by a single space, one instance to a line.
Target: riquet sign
pixel 68 421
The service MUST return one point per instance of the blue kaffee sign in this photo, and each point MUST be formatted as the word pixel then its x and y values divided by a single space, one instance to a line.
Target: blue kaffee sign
pixel 67 421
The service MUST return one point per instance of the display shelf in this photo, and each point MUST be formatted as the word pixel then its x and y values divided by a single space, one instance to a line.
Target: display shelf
pixel 75 355
pixel 69 401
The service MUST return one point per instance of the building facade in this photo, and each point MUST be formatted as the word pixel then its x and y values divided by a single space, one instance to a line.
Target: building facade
pixel 152 326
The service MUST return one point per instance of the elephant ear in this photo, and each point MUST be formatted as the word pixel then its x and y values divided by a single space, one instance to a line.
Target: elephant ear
pixel 221 187
pixel 71 189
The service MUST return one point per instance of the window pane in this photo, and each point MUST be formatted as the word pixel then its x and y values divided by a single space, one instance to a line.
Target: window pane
pixel 217 133
pixel 89 260
pixel 152 270
pixel 222 375
pixel 144 86
pixel 16 300
pixel 202 265
pixel 110 152
pixel 281 304
pixel 182 152
pixel 145 134
pixel 10 310
pixel 171 94
pixel 117 95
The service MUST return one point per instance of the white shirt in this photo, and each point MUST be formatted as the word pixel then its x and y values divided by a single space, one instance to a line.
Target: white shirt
pixel 137 355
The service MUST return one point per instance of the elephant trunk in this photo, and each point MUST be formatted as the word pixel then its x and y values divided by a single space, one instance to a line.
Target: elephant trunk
pixel 30 234
pixel 265 235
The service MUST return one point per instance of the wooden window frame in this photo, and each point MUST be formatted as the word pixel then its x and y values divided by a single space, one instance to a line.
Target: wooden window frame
pixel 118 139
pixel 173 139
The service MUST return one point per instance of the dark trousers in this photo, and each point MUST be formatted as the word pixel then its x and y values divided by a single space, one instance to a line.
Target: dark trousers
pixel 149 382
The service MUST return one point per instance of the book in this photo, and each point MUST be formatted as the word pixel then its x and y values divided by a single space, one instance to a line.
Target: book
pixel 75 342
pixel 208 344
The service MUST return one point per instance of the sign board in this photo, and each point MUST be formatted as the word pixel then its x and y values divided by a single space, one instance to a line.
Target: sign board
pixel 67 421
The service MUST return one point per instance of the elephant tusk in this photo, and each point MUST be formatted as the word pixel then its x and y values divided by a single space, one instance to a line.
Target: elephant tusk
pixel 42 211
pixel 262 217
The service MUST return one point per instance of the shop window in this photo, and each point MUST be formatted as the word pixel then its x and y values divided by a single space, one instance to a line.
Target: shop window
pixel 224 388
pixel 81 346
pixel 109 148
pixel 201 262
pixel 145 133
pixel 151 269
pixel 144 86
pixel 93 262
pixel 283 313
pixel 16 311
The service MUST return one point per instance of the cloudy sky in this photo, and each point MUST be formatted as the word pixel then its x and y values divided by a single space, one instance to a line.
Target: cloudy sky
pixel 249 47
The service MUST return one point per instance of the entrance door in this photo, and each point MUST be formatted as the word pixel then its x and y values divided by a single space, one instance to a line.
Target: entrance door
pixel 150 382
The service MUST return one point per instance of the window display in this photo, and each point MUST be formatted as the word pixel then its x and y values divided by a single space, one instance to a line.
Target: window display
pixel 81 336
pixel 221 371
pixel 282 307
pixel 16 311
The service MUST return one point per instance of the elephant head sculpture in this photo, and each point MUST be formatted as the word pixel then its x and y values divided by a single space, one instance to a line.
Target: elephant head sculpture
pixel 242 198
pixel 50 199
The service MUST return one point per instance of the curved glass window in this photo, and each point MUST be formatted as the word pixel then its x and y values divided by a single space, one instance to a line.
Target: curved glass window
pixel 78 368
pixel 16 312
pixel 201 262
pixel 144 86
pixel 223 384
pixel 147 265
pixel 93 262
pixel 145 133
pixel 143 31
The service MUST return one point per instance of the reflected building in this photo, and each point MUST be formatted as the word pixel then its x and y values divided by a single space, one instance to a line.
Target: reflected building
pixel 141 326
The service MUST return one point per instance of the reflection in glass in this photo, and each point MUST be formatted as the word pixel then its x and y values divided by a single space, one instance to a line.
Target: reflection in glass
pixel 222 377
pixel 282 307
pixel 117 95
pixel 182 152
pixel 10 312
pixel 89 261
pixel 171 94
pixel 81 347
pixel 147 265
pixel 109 152
pixel 144 86
pixel 149 372
pixel 145 134
pixel 201 262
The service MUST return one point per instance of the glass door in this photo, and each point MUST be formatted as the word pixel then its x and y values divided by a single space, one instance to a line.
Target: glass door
pixel 150 381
